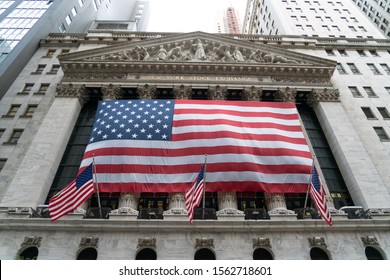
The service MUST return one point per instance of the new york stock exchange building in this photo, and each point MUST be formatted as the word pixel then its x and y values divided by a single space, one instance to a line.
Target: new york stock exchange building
pixel 50 116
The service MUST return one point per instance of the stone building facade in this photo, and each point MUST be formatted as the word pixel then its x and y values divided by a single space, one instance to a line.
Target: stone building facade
pixel 46 118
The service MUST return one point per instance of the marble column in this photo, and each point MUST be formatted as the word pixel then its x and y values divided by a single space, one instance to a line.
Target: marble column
pixel 227 204
pixel 277 208
pixel 177 207
pixel 127 207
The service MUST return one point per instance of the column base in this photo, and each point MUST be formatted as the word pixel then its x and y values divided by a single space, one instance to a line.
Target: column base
pixel 176 214
pixel 282 215
pixel 230 214
pixel 338 215
pixel 124 213
pixel 16 213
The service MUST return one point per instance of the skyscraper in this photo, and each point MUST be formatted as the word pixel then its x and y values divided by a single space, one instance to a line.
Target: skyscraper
pixel 378 12
pixel 308 18
pixel 24 22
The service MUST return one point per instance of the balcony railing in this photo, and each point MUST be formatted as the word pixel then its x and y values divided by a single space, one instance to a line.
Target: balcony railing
pixel 150 213
pixel 256 214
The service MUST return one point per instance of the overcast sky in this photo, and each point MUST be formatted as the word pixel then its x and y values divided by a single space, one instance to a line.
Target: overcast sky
pixel 188 15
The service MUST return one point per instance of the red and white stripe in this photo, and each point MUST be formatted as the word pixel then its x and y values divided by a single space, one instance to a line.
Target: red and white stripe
pixel 251 146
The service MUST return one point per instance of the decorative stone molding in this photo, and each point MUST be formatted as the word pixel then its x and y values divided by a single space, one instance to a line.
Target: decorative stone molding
pixel 227 202
pixel 177 204
pixel 252 94
pixel 147 92
pixel 299 80
pixel 94 76
pixel 146 243
pixel 218 93
pixel 24 212
pixel 370 241
pixel 31 241
pixel 324 95
pixel 111 92
pixel 261 242
pixel 204 243
pixel 317 242
pixel 182 92
pixel 89 242
pixel 71 91
pixel 286 94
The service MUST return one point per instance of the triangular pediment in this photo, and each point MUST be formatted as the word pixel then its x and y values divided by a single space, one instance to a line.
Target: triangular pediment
pixel 198 49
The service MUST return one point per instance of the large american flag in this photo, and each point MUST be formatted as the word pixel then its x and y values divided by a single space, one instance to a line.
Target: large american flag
pixel 159 146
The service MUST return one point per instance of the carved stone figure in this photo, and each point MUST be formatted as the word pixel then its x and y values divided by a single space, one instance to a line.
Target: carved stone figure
pixel 272 58
pixel 199 48
pixel 223 53
pixel 237 55
pixel 175 53
pixel 162 53
pixel 256 56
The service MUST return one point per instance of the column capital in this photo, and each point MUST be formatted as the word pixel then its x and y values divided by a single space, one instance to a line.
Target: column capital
pixel 111 92
pixel 70 90
pixel 182 92
pixel 252 93
pixel 218 92
pixel 147 91
pixel 323 95
pixel 286 94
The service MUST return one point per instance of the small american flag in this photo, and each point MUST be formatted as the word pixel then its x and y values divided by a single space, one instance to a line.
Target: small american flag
pixel 73 195
pixel 317 192
pixel 194 194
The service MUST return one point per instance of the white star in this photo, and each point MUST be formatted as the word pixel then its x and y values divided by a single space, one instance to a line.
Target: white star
pixel 151 125
pixel 165 126
pixel 144 121
pixel 143 130
pixel 157 130
pixel 139 116
pixel 160 113
pixel 122 106
pixel 105 114
pixel 103 122
pixel 159 121
pixel 105 136
pixel 91 140
pixel 167 109
pixel 164 136
pixel 108 126
pixel 134 135
pixel 122 125
pixel 128 130
pixel 124 117
pixel 99 132
pixel 116 102
pixel 166 117
pixel 116 121
pixel 111 117
pixel 113 130
pixel 136 125
pixel 119 135
pixel 152 117
pixel 149 136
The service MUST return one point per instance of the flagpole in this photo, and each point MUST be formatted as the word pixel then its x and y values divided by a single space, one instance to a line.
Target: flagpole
pixel 308 188
pixel 97 187
pixel 204 186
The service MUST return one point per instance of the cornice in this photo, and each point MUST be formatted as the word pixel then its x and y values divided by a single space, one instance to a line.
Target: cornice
pixel 104 225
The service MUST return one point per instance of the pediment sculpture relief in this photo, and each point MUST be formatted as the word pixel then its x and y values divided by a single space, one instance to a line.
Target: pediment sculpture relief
pixel 196 50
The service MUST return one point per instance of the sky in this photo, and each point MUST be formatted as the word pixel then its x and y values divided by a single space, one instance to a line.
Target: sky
pixel 189 15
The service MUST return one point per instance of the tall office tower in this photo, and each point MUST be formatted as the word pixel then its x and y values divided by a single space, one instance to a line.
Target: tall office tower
pixel 319 18
pixel 24 22
pixel 378 12
pixel 231 21
pixel 157 96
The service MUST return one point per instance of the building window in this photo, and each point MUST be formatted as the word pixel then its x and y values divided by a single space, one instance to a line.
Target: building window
pixel 74 11
pixel 383 111
pixel 353 68
pixel 329 52
pixel 2 163
pixel 361 28
pixel 343 53
pixel 68 20
pixel 39 69
pixel 381 133
pixel 361 53
pixel 12 111
pixel 386 68
pixel 30 110
pixel 368 112
pixel 50 53
pixel 81 3
pixel 374 53
pixel 373 69
pixel 387 89
pixel 352 28
pixel 62 28
pixel 42 89
pixel 54 69
pixel 355 92
pixel 1 131
pixel 340 68
pixel 27 88
pixel 15 136
pixel 370 92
